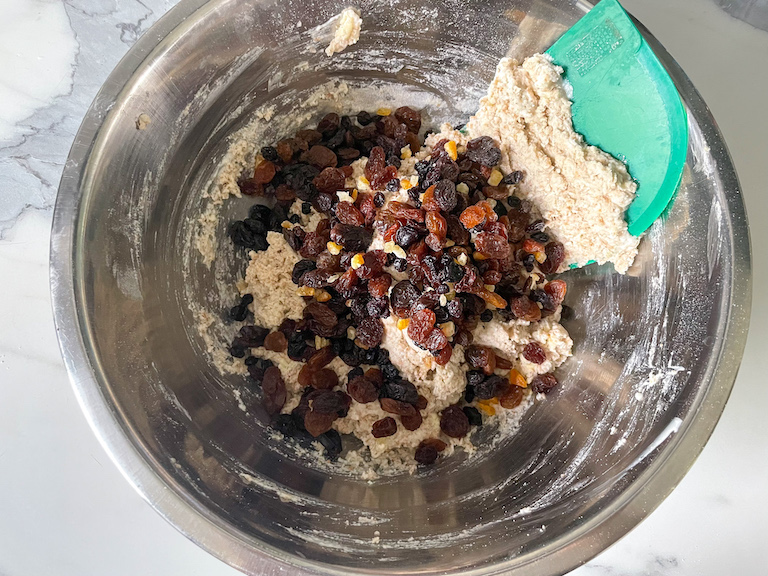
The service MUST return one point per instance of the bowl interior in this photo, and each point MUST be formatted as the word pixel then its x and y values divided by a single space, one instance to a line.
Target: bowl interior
pixel 648 344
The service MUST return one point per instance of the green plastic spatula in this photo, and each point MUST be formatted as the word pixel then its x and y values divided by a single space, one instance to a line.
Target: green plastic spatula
pixel 625 103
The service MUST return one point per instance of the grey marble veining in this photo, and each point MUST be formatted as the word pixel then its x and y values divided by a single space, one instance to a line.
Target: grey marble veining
pixel 93 36
pixel 64 508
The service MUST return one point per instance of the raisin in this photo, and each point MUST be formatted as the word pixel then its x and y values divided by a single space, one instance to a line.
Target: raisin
pixel 331 441
pixel 369 332
pixel 445 195
pixel 377 307
pixel 492 245
pixel 346 283
pixel 299 269
pixel 512 397
pixel 401 390
pixel 240 312
pixel 436 224
pixel 406 236
pixel 502 363
pixel 379 199
pixel 384 427
pixel 264 172
pixel 422 403
pixel 492 277
pixel 397 407
pixel 324 379
pixel 555 252
pixel 276 341
pixel 491 387
pixel 512 178
pixel 556 290
pixel 436 340
pixel 473 415
pixel 353 238
pixel 400 264
pixel 376 166
pixel 365 118
pixel 329 124
pixel 269 153
pixel 404 294
pixel 347 213
pixel 543 383
pixel 321 313
pixel 316 278
pixel 453 422
pixel 362 390
pixel 313 245
pixel 421 325
pixel 249 234
pixel 378 287
pixel 463 338
pixel 472 217
pixel 317 423
pixel 525 309
pixel 495 192
pixel 330 180
pixel 533 352
pixel 410 117
pixel 252 336
pixel 400 210
pixel 483 150
pixel 373 263
pixel 426 454
pixel 444 355
pixel 321 358
pixel 411 421
pixel 482 358
pixel 273 390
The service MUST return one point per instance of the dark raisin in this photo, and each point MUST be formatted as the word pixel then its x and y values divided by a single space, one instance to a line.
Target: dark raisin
pixel 252 336
pixel 369 332
pixel 400 264
pixel 406 236
pixel 512 177
pixel 240 312
pixel 410 117
pixel 390 371
pixel 482 358
pixel 353 238
pixel 555 253
pixel 543 383
pixel 273 390
pixel 486 316
pixel 365 118
pixel 469 394
pixel 426 454
pixel 331 442
pixel 379 199
pixel 329 124
pixel 300 268
pixel 237 349
pixel 411 421
pixel 445 195
pixel 270 153
pixel 401 390
pixel 362 390
pixel 491 387
pixel 528 262
pixel 326 401
pixel 402 297
pixel 540 237
pixel 284 424
pixel 392 186
pixel 453 422
pixel 483 150
pixel 248 234
pixel 378 307
pixel 384 427
pixel 473 415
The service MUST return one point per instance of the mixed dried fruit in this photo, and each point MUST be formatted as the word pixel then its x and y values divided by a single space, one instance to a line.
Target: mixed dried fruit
pixel 442 252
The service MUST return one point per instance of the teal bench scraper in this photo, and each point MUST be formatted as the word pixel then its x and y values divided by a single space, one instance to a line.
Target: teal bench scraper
pixel 625 103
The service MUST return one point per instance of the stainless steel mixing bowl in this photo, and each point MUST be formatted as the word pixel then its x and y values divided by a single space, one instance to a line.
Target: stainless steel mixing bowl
pixel 656 350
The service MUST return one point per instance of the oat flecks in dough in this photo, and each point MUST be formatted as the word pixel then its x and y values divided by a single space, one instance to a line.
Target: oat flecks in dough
pixel 581 191
pixel 268 279
pixel 347 31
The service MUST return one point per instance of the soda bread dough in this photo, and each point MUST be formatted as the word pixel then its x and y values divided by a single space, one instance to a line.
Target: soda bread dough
pixel 579 190
pixel 347 26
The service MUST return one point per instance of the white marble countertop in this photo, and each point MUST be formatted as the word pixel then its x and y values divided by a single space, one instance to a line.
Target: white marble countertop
pixel 64 507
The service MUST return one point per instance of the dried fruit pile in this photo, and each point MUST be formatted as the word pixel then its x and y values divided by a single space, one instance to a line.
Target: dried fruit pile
pixel 455 247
